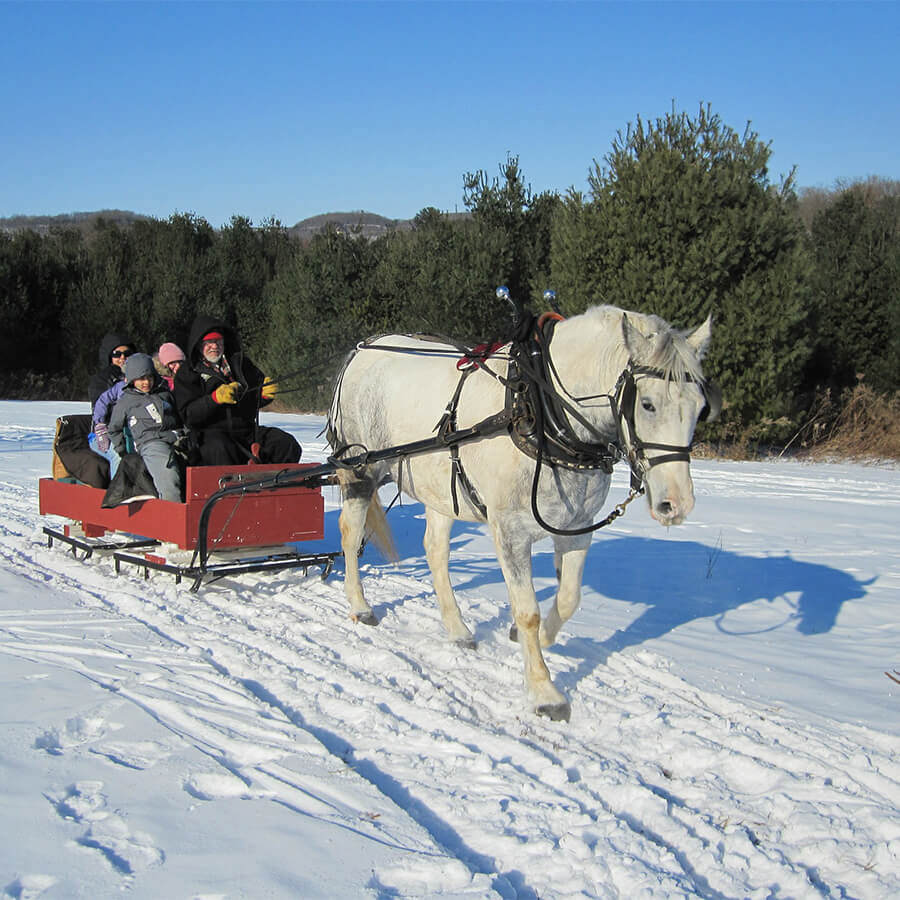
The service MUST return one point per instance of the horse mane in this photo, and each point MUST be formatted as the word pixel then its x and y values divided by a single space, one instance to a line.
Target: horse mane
pixel 670 352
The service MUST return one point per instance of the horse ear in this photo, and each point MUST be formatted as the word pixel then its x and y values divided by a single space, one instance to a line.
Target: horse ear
pixel 699 339
pixel 639 347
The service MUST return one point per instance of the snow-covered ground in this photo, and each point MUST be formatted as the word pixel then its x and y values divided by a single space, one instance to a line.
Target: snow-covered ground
pixel 733 733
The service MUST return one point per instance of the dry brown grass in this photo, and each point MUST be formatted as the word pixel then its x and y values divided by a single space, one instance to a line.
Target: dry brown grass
pixel 735 440
pixel 865 426
pixel 860 425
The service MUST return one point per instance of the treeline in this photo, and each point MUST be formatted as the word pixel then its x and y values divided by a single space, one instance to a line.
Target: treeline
pixel 680 219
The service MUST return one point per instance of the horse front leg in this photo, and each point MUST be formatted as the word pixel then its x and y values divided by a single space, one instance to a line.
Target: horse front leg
pixel 437 552
pixel 570 554
pixel 358 493
pixel 515 562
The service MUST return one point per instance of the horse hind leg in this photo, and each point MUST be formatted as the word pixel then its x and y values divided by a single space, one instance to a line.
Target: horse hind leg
pixel 358 493
pixel 437 552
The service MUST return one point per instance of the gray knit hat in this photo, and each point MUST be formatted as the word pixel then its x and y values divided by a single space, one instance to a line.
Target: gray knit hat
pixel 137 366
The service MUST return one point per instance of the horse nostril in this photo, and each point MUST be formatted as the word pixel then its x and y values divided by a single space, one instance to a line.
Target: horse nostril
pixel 665 509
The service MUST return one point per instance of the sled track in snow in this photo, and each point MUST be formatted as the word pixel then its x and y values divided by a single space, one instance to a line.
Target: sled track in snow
pixel 654 782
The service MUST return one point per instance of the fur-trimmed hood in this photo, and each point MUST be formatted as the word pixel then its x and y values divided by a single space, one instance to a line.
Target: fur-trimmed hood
pixel 205 324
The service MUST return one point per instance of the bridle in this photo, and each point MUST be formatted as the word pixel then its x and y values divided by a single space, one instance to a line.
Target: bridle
pixel 623 400
pixel 538 404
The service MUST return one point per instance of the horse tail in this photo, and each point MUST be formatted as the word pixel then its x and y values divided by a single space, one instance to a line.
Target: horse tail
pixel 377 527
pixel 379 530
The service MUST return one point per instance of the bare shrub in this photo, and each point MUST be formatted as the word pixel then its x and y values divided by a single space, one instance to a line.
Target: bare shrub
pixel 736 440
pixel 28 385
pixel 864 425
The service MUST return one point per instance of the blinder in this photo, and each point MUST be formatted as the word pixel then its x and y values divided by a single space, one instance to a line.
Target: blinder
pixel 713 394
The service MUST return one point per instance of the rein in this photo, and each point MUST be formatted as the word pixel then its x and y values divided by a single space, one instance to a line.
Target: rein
pixel 538 418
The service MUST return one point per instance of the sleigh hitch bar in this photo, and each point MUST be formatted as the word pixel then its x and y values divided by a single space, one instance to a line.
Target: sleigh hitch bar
pixel 322 474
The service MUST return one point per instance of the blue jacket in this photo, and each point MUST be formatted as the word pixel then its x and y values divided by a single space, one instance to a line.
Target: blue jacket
pixel 106 401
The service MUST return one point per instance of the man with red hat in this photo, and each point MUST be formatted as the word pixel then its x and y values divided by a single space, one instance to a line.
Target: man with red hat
pixel 219 392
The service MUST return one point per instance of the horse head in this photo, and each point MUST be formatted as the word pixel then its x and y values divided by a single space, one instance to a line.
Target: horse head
pixel 661 396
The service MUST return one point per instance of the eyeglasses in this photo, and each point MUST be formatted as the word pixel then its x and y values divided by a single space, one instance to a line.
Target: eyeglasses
pixel 125 353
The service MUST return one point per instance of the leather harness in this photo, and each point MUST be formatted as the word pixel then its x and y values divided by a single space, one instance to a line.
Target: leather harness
pixel 537 418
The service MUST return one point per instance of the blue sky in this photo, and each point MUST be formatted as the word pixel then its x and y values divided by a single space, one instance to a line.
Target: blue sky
pixel 288 110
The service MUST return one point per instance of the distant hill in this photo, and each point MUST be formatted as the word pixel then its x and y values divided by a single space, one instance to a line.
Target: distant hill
pixel 370 225
pixel 82 221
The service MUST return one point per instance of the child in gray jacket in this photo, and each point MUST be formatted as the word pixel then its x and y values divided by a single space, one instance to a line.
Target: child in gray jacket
pixel 146 408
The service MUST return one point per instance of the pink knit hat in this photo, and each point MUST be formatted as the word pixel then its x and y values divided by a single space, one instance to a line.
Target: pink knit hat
pixel 170 353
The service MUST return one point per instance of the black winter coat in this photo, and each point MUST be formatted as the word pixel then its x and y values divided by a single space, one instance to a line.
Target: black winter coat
pixel 108 373
pixel 196 380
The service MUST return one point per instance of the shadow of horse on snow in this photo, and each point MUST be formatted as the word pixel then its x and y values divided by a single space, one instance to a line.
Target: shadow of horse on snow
pixel 676 581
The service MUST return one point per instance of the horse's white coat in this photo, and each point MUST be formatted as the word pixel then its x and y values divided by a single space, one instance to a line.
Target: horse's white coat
pixel 386 398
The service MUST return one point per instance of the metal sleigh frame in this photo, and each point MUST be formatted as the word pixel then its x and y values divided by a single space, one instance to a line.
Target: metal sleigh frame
pixel 207 523
pixel 237 514
pixel 246 533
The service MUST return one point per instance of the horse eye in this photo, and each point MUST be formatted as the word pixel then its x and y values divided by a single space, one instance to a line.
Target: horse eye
pixel 648 406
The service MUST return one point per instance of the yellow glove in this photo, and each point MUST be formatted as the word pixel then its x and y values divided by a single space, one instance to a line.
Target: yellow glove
pixel 269 389
pixel 227 393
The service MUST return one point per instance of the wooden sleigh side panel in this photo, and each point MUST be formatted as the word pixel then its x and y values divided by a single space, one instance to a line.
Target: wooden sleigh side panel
pixel 287 515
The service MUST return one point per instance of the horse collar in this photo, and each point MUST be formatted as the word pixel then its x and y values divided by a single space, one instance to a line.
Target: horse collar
pixel 540 416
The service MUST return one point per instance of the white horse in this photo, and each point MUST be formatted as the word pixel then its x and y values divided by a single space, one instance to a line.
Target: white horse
pixel 625 385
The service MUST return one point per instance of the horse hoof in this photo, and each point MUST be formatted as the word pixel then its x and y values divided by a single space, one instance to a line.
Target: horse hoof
pixel 365 618
pixel 467 643
pixel 513 633
pixel 556 712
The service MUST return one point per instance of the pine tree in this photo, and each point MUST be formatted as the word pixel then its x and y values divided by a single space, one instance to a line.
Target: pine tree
pixel 317 304
pixel 856 297
pixel 682 222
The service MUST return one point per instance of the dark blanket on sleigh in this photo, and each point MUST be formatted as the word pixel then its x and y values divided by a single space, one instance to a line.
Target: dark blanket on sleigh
pixel 73 458
pixel 131 482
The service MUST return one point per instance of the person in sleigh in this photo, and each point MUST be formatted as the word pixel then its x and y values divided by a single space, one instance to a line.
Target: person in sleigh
pixel 219 392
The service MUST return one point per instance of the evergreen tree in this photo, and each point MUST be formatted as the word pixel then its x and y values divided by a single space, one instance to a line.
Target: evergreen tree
pixel 37 274
pixel 248 259
pixel 317 304
pixel 441 277
pixel 682 222
pixel 107 298
pixel 147 280
pixel 856 296
pixel 511 230
pixel 177 267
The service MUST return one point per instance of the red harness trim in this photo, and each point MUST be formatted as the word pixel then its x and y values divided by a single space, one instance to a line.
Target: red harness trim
pixel 548 317
pixel 478 354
